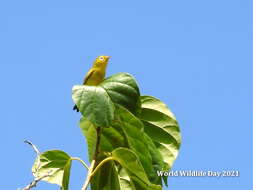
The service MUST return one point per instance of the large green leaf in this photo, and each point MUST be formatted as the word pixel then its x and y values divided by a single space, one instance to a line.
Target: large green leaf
pixel 137 142
pixel 157 159
pixel 136 174
pixel 94 103
pixel 56 164
pixel 161 126
pixel 90 133
pixel 123 90
pixel 153 103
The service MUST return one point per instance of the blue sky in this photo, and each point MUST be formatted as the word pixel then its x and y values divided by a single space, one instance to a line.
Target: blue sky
pixel 196 56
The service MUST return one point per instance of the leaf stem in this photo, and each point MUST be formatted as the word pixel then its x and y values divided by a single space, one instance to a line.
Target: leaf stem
pixel 80 160
pixel 101 164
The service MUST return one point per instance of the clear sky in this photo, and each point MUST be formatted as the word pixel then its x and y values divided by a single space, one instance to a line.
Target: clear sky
pixel 196 56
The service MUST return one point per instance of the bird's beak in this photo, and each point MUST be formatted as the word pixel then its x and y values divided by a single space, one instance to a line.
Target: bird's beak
pixel 107 57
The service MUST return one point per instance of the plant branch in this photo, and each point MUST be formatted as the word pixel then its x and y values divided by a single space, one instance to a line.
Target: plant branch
pixel 98 129
pixel 36 150
pixel 80 160
pixel 93 162
pixel 88 178
pixel 34 182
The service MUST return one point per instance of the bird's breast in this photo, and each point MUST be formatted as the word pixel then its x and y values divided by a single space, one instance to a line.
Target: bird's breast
pixel 96 78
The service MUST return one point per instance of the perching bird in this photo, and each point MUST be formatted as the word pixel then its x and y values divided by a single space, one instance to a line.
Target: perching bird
pixel 96 74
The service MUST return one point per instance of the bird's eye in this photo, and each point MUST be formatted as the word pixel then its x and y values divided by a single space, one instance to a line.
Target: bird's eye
pixel 101 58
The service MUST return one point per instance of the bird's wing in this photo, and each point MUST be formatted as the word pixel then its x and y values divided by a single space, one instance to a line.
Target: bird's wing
pixel 88 75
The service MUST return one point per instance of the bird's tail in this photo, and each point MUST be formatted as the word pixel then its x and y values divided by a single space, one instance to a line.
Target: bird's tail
pixel 76 108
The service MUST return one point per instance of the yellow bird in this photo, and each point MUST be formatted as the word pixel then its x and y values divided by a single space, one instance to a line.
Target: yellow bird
pixel 96 74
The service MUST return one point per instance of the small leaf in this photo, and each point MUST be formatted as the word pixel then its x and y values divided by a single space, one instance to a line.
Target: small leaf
pixel 94 103
pixel 123 90
pixel 56 164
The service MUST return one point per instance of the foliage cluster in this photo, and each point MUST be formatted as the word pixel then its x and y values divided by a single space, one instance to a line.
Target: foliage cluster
pixel 130 137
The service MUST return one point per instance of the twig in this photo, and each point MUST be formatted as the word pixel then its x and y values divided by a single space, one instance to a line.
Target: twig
pixel 34 182
pixel 93 162
pixel 98 142
pixel 88 178
pixel 36 150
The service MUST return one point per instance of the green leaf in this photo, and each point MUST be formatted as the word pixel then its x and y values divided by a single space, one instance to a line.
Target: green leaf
pixel 94 103
pixel 123 90
pixel 56 164
pixel 157 159
pixel 137 142
pixel 66 174
pixel 161 126
pixel 89 131
pixel 153 103
pixel 126 184
pixel 130 162
pixel 124 180
pixel 111 137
